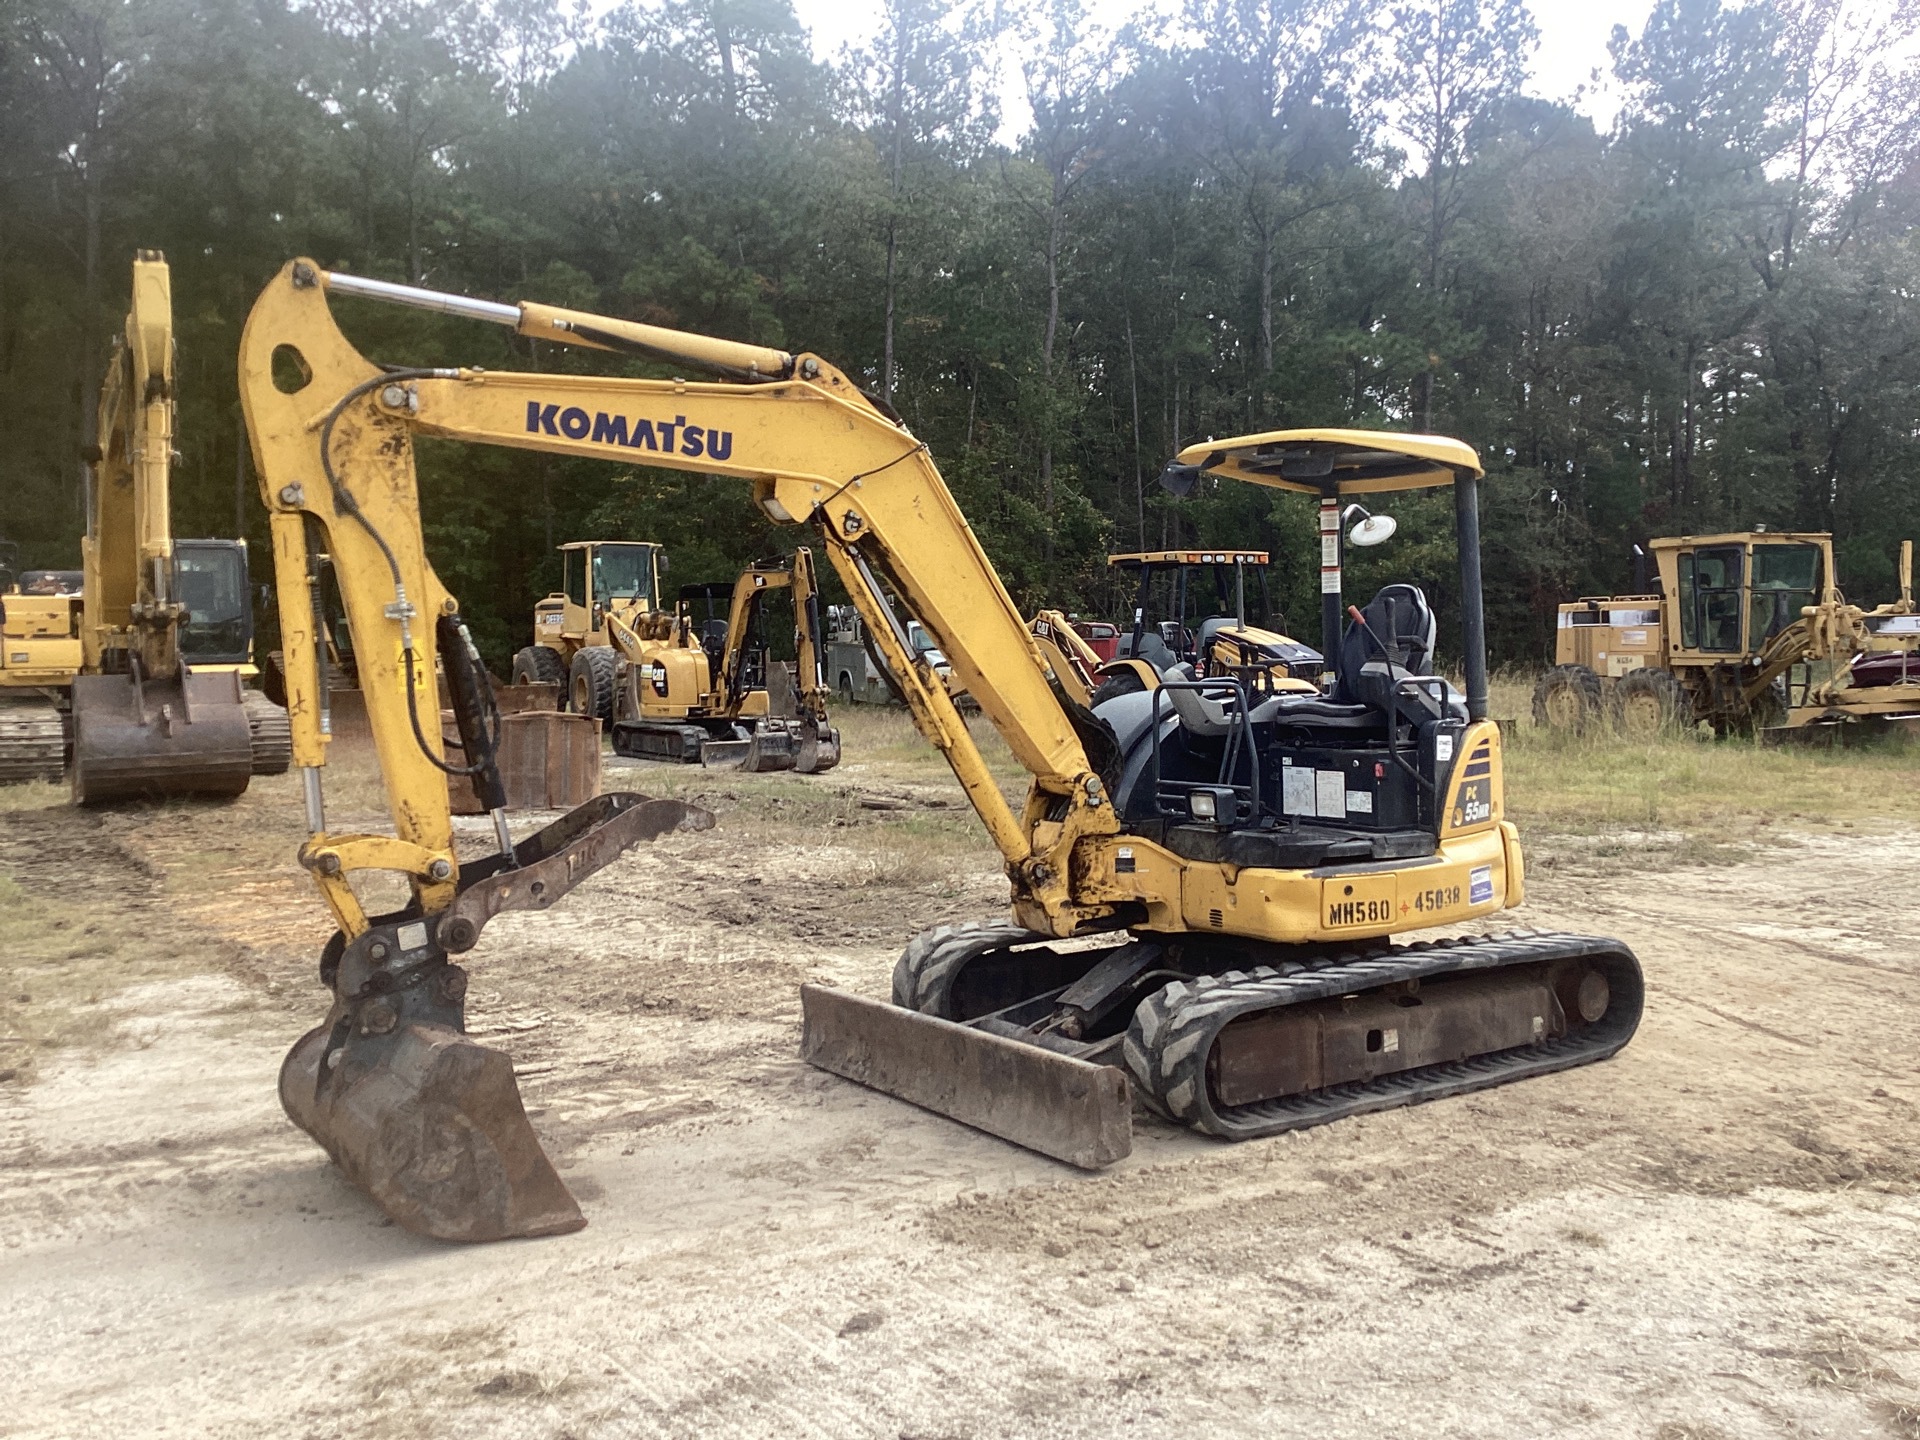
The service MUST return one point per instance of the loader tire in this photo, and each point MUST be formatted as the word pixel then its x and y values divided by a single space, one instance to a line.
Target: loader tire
pixel 1648 703
pixel 1569 698
pixel 924 974
pixel 538 665
pixel 590 686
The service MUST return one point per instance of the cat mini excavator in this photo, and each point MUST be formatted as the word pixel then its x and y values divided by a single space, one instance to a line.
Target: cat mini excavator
pixel 739 710
pixel 1206 877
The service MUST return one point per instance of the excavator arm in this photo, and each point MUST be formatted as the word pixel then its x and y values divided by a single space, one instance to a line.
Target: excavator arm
pixel 748 592
pixel 429 1123
pixel 143 723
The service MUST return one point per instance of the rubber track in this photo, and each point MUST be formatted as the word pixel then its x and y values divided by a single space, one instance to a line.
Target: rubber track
pixel 923 976
pixel 1174 1030
pixel 33 742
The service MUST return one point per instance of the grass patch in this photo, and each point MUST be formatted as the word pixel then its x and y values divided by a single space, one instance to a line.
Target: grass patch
pixel 58 958
pixel 1704 793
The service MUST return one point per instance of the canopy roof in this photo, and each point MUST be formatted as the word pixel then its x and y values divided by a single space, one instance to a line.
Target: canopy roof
pixel 1742 537
pixel 1339 462
pixel 1191 557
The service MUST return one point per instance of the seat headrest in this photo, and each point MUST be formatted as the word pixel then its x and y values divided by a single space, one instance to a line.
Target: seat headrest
pixel 1403 627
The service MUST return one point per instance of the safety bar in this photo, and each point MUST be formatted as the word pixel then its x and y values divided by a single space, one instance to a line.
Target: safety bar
pixel 1240 735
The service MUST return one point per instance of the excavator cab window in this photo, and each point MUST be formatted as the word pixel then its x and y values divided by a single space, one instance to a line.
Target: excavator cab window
pixel 210 579
pixel 1717 583
pixel 1785 579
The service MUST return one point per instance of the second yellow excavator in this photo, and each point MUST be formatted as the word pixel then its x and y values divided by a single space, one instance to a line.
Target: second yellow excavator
pixel 1207 878
pixel 675 685
pixel 149 656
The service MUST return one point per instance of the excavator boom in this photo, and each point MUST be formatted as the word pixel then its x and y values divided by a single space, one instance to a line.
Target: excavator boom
pixel 426 1121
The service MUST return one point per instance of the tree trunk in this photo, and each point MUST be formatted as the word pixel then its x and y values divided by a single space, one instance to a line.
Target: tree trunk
pixel 1266 310
pixel 896 105
pixel 1139 472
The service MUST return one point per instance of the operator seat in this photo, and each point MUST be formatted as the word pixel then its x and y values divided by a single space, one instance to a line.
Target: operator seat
pixel 713 637
pixel 1395 644
pixel 1152 649
pixel 1211 627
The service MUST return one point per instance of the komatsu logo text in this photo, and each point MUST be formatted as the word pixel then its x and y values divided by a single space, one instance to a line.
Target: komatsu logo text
pixel 670 437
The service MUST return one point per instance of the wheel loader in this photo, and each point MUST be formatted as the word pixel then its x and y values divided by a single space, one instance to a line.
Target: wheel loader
pixel 141 675
pixel 1206 879
pixel 1743 632
pixel 672 685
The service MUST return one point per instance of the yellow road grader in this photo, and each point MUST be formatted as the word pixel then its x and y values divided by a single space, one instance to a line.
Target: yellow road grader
pixel 1746 631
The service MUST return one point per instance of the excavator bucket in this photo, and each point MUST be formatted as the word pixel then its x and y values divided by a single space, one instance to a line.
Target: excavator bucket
pixel 426 1121
pixel 1059 1105
pixel 430 1125
pixel 816 750
pixel 135 738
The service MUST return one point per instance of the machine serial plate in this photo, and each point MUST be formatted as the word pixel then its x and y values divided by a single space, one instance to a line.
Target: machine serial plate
pixel 1362 900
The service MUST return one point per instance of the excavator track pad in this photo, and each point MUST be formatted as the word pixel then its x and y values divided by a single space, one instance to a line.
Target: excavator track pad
pixel 426 1121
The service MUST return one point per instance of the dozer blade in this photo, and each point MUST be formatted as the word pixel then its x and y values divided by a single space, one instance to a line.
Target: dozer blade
pixel 143 739
pixel 1056 1104
pixel 765 750
pixel 423 1119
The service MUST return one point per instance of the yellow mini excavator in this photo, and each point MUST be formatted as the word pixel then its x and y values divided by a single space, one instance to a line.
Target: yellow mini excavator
pixel 150 656
pixel 680 686
pixel 1206 877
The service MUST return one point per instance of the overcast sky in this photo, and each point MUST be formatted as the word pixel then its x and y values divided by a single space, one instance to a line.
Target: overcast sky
pixel 1573 38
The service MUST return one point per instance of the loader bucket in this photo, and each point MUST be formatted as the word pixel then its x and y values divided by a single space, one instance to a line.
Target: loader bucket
pixel 1059 1105
pixel 426 1121
pixel 135 738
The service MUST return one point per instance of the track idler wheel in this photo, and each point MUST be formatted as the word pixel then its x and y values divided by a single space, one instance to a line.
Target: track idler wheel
pixel 424 1120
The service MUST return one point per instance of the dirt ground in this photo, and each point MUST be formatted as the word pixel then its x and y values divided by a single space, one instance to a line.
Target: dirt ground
pixel 1713 1235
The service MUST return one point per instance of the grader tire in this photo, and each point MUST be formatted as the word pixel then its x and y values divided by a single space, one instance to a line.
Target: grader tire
pixel 1569 698
pixel 1648 703
pixel 590 685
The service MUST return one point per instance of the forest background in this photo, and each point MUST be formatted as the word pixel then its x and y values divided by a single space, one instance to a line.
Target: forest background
pixel 1237 215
